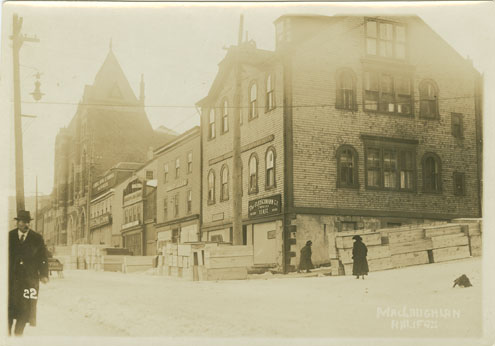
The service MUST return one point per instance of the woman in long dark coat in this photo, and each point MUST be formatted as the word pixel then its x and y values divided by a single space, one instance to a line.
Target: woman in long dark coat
pixel 305 262
pixel 359 253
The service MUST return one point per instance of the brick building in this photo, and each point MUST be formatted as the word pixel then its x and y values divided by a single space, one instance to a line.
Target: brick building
pixel 373 122
pixel 179 189
pixel 136 199
pixel 110 126
pixel 105 220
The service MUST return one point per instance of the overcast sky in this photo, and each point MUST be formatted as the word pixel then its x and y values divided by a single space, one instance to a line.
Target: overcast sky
pixel 177 48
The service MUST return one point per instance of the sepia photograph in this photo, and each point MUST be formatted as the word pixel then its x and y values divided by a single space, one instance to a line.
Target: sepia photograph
pixel 246 173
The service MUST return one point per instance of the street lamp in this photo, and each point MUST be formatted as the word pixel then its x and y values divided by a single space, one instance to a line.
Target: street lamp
pixel 37 94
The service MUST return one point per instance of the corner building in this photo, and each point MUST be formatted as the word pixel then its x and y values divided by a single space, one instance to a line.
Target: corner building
pixel 376 123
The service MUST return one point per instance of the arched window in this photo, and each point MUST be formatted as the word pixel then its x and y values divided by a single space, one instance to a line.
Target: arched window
pixel 224 181
pixel 211 187
pixel 432 173
pixel 225 116
pixel 428 100
pixel 84 175
pixel 211 124
pixel 347 175
pixel 270 168
pixel 253 174
pixel 346 90
pixel 253 103
pixel 270 93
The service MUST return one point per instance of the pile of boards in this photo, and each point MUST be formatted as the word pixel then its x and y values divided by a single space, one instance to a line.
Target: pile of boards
pixel 205 261
pixel 93 257
pixel 411 245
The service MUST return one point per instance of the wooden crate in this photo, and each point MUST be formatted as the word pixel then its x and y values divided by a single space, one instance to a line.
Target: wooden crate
pixel 374 251
pixel 346 242
pixel 411 247
pixel 410 259
pixel 450 253
pixel 239 273
pixel 449 240
pixel 406 236
pixel 442 230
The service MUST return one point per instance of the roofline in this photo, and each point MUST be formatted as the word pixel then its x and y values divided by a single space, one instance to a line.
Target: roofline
pixel 181 138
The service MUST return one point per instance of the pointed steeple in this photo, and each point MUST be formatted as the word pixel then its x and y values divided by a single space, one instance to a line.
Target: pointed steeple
pixel 111 82
pixel 141 89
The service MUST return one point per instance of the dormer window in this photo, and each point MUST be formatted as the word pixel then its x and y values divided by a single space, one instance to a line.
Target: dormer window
pixel 385 39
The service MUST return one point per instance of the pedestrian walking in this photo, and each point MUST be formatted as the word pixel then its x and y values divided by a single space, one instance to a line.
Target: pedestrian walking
pixel 28 265
pixel 305 262
pixel 359 253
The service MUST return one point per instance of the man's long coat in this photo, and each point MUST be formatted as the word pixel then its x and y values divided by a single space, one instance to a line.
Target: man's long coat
pixel 27 264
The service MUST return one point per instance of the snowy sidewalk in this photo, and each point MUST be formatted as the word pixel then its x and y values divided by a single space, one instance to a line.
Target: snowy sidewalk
pixel 413 301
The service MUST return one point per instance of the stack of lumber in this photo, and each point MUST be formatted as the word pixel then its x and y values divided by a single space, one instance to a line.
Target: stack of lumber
pixel 408 247
pixel 205 261
pixel 228 262
pixel 473 229
pixel 411 245
pixel 112 263
pixel 134 264
pixel 378 254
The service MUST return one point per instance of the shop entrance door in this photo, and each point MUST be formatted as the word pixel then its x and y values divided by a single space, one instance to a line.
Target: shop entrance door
pixel 265 243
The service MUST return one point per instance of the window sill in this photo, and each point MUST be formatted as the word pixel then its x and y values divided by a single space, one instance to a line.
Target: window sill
pixel 253 192
pixel 389 113
pixel 253 118
pixel 271 187
pixel 352 187
pixel 353 110
pixel 224 199
pixel 436 118
pixel 432 192
pixel 384 189
pixel 270 110
pixel 211 202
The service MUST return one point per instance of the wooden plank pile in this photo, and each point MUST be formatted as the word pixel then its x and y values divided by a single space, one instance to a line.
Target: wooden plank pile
pixel 134 264
pixel 473 229
pixel 411 245
pixel 205 261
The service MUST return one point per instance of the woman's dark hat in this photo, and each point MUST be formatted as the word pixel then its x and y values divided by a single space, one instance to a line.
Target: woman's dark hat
pixel 23 215
pixel 309 242
pixel 357 237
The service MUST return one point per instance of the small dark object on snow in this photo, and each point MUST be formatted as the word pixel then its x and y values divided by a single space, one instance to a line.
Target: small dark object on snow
pixel 462 281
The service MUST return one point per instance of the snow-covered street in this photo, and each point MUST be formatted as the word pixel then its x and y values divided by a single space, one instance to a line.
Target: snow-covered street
pixel 414 301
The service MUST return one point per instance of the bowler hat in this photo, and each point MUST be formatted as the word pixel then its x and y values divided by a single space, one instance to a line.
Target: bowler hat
pixel 23 215
pixel 309 242
pixel 357 237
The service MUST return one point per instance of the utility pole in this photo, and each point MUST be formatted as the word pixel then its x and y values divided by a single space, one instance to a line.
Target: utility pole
pixel 236 156
pixel 36 212
pixel 17 40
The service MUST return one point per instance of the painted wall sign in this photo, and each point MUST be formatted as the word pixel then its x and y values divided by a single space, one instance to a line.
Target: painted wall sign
pixel 265 206
pixel 100 220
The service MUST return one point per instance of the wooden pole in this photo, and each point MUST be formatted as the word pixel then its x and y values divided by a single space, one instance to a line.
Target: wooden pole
pixel 237 163
pixel 17 40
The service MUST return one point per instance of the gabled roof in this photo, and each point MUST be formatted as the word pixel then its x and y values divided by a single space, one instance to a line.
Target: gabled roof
pixel 249 54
